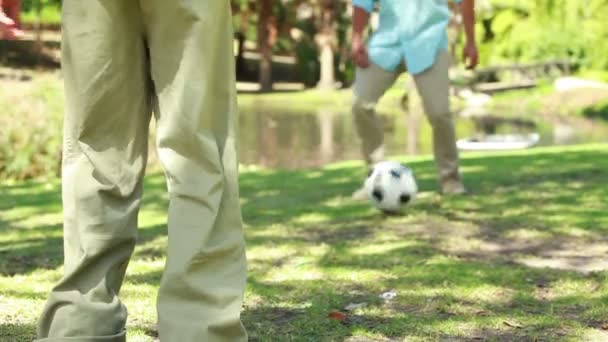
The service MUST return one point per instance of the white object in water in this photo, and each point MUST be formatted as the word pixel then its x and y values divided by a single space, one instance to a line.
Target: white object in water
pixel 499 142
pixel 569 83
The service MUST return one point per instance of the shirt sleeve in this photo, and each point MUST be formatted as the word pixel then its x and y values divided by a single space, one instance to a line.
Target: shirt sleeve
pixel 367 5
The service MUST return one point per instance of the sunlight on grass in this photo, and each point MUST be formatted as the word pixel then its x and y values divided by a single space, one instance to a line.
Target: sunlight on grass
pixel 311 218
pixel 383 248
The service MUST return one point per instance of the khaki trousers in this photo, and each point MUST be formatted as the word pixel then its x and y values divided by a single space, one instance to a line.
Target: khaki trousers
pixel 123 60
pixel 433 87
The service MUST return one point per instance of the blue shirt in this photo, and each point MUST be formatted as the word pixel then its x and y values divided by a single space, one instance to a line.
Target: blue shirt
pixel 410 31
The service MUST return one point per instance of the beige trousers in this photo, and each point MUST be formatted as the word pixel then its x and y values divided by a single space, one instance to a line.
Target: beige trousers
pixel 433 87
pixel 123 60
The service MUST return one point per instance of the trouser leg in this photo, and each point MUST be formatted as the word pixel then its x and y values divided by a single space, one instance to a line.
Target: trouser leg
pixel 192 65
pixel 104 156
pixel 433 87
pixel 370 85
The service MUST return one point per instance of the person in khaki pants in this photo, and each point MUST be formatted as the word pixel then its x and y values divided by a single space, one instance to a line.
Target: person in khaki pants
pixel 123 60
pixel 411 34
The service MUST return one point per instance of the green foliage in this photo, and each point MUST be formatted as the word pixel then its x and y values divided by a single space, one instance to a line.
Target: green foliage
pixel 597 111
pixel 529 31
pixel 28 5
pixel 308 64
pixel 597 75
pixel 50 14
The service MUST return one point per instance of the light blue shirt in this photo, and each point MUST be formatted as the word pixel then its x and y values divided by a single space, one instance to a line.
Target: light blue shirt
pixel 409 31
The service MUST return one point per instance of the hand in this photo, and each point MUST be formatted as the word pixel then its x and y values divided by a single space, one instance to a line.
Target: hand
pixel 470 55
pixel 359 53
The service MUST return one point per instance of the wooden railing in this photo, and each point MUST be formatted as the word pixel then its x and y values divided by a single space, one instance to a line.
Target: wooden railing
pixel 517 76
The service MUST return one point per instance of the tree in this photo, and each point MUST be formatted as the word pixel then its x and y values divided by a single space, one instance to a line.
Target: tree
pixel 546 29
pixel 267 35
pixel 326 42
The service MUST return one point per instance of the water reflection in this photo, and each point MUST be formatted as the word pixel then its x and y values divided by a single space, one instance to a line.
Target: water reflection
pixel 491 124
pixel 294 140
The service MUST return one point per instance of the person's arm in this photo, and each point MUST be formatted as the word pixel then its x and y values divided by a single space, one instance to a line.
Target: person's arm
pixel 361 10
pixel 470 54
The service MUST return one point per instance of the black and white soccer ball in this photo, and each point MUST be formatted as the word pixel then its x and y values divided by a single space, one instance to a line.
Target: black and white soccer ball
pixel 390 186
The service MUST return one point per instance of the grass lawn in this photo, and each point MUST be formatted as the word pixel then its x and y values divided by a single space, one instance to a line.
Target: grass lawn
pixel 522 259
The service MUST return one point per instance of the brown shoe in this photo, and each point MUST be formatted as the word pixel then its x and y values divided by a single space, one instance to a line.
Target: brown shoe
pixel 453 187
pixel 360 194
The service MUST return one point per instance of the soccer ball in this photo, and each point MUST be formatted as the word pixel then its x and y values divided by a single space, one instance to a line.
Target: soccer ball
pixel 390 186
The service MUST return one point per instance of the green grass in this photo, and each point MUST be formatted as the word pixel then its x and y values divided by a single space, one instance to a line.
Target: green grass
pixel 525 102
pixel 522 259
pixel 311 100
pixel 597 75
pixel 31 121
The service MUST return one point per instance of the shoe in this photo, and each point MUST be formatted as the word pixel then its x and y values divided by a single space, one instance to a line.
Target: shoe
pixel 453 187
pixel 360 194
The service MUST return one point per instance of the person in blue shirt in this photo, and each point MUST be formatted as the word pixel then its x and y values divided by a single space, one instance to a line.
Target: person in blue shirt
pixel 411 35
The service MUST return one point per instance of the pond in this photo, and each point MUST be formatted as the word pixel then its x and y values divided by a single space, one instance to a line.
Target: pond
pixel 292 140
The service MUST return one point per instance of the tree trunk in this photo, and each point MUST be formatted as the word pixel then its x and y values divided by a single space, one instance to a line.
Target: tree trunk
pixel 325 42
pixel 38 38
pixel 241 35
pixel 265 37
pixel 326 132
pixel 326 59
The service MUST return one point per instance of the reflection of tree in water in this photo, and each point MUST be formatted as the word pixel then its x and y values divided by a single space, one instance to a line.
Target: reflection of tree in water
pixel 268 142
pixel 280 140
pixel 292 140
pixel 297 140
pixel 326 132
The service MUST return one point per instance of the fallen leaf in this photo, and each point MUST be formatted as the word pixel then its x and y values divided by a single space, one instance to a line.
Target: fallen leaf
pixel 337 315
pixel 513 324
